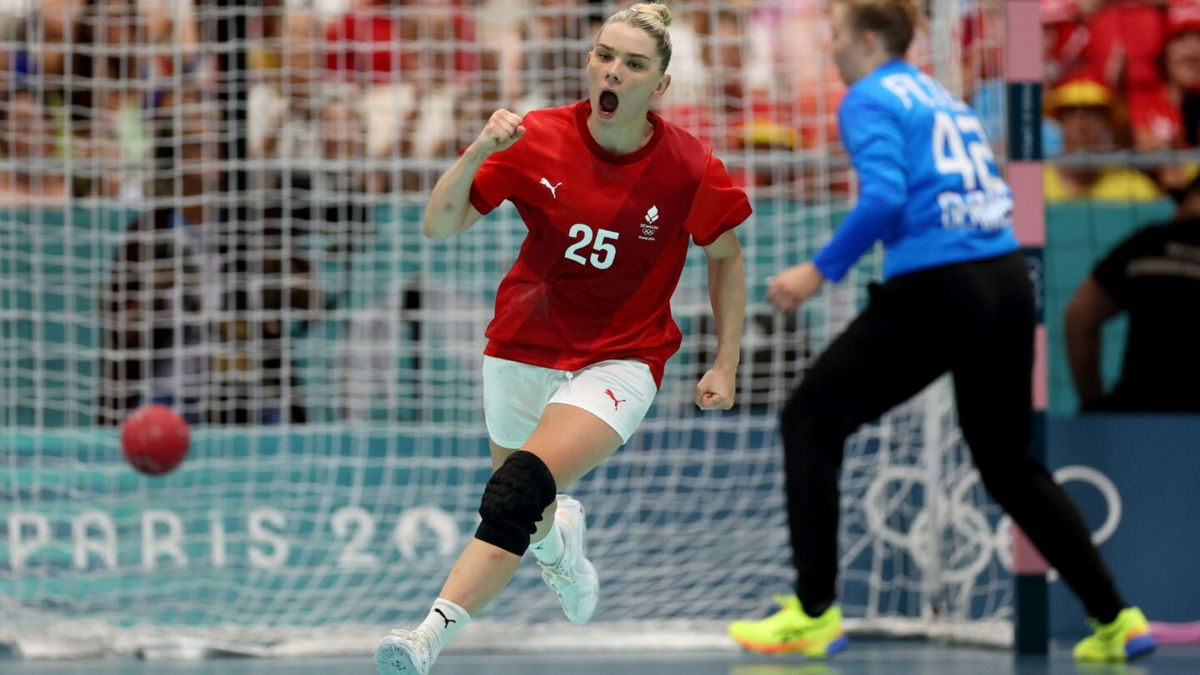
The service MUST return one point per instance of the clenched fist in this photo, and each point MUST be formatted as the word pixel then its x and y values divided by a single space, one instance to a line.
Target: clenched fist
pixel 500 133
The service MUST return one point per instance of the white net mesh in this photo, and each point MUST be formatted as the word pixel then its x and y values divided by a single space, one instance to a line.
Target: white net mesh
pixel 328 356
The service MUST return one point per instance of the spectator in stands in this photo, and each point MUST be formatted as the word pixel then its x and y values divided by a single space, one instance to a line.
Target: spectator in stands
pixel 43 44
pixel 447 64
pixel 204 301
pixel 726 52
pixel 1156 115
pixel 117 133
pixel 285 107
pixel 269 297
pixel 499 29
pixel 1154 277
pixel 28 143
pixel 555 38
pixel 982 64
pixel 368 58
pixel 1063 37
pixel 1091 121
pixel 259 292
pixel 1117 43
pixel 363 45
pixel 39 34
pixel 411 61
pixel 155 311
pixel 125 56
pixel 768 115
pixel 317 133
pixel 1182 63
pixel 688 102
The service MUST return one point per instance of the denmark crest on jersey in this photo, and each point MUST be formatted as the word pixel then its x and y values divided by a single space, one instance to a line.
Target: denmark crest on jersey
pixel 649 224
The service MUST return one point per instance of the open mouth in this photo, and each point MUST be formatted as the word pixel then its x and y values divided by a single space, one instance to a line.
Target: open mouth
pixel 608 103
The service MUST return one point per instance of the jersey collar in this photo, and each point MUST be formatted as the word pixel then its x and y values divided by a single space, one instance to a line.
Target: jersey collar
pixel 584 108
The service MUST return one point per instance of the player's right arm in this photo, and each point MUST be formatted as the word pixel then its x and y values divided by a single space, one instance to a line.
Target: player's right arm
pixel 873 138
pixel 449 211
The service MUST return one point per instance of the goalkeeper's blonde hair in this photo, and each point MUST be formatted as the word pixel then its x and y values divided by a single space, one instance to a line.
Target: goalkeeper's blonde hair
pixel 895 21
pixel 653 18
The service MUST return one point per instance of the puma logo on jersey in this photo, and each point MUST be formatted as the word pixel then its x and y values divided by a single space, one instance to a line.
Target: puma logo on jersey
pixel 445 618
pixel 553 188
pixel 616 402
pixel 649 229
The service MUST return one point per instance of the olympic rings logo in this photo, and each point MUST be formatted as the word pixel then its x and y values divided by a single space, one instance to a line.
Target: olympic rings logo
pixel 973 541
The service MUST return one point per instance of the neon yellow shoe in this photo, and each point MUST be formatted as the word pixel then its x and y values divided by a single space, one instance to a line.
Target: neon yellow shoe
pixel 791 630
pixel 1126 637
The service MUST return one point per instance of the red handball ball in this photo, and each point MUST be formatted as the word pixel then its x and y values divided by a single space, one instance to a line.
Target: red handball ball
pixel 155 439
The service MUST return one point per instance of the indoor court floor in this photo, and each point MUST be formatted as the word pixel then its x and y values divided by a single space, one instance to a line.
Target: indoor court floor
pixel 864 658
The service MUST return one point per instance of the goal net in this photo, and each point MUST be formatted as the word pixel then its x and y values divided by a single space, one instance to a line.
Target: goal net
pixel 218 208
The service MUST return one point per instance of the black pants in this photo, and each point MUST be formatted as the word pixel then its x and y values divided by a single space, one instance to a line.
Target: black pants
pixel 975 320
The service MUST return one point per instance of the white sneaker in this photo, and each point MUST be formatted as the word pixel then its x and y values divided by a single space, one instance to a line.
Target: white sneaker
pixel 573 578
pixel 404 652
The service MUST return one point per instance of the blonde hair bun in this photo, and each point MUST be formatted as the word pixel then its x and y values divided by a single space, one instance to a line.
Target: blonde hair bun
pixel 657 8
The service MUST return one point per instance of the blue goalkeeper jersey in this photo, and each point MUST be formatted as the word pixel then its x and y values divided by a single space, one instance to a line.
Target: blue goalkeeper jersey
pixel 929 185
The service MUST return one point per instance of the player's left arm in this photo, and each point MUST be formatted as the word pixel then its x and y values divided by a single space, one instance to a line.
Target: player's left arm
pixel 727 293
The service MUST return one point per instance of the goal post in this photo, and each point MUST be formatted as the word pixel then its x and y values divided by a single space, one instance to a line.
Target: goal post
pixel 328 357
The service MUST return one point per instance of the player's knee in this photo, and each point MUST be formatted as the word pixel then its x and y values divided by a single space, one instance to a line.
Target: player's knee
pixel 794 417
pixel 805 426
pixel 814 399
pixel 514 500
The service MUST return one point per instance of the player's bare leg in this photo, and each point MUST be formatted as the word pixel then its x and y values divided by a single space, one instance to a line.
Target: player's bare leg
pixel 561 550
pixel 570 442
pixel 558 548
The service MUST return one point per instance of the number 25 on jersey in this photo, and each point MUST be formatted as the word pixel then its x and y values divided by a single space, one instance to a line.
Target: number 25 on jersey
pixel 603 253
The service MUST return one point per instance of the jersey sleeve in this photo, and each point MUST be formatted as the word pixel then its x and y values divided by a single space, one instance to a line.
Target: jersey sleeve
pixel 495 180
pixel 718 207
pixel 872 137
pixel 1110 272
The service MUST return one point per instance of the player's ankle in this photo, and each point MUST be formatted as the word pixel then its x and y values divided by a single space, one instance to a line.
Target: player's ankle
pixel 550 549
pixel 445 619
pixel 816 609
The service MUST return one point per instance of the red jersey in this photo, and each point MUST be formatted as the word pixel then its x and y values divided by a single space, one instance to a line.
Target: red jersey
pixel 607 239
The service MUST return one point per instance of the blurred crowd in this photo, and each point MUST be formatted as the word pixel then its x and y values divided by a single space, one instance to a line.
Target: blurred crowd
pixel 361 95
pixel 371 96
pixel 81 81
pixel 1121 75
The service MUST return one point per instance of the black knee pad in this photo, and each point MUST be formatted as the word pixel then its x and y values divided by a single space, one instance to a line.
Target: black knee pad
pixel 513 502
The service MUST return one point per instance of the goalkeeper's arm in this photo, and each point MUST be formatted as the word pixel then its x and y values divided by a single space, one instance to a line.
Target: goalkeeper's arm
pixel 449 211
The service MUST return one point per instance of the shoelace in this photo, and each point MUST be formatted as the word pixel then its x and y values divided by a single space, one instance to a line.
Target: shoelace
pixel 413 636
pixel 561 581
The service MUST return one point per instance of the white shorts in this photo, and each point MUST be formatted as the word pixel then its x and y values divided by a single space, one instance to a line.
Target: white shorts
pixel 515 395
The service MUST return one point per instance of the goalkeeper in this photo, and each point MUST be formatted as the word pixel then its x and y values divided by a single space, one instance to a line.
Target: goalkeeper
pixel 956 298
pixel 611 195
